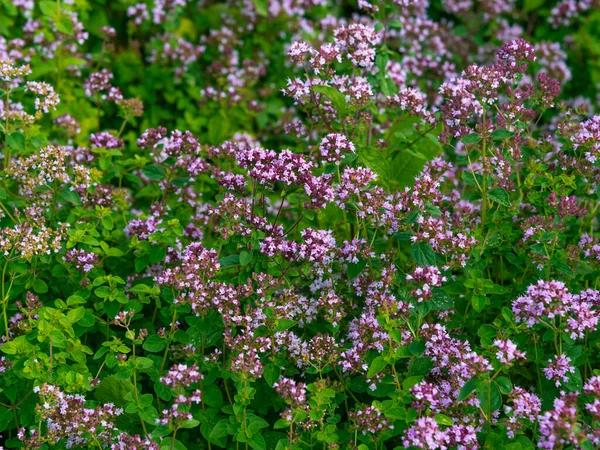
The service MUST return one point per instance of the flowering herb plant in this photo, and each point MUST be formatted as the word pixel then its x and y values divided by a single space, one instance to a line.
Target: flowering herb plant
pixel 299 224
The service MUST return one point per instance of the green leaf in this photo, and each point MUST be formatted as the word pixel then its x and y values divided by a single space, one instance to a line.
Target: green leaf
pixel 218 128
pixel 441 301
pixel 502 134
pixel 355 269
pixel 486 331
pixel 489 396
pixel 172 444
pixel 157 254
pixel 532 5
pixel 417 347
pixel 271 373
pixel 560 265
pixel 423 254
pixel 143 363
pixel 103 291
pixel 17 345
pixel 468 388
pixel 245 257
pixel 257 442
pixel 285 324
pixel 16 141
pixel 395 23
pixel 499 195
pixel 471 139
pixel 220 429
pixel 48 8
pixel 190 423
pixel 70 196
pixel 154 343
pixel 229 261
pixel 336 97
pixel 280 424
pixel 376 366
pixel 113 390
pixel 478 302
pixel 261 7
pixel 107 222
pixel 40 286
pixel 574 382
pixel 505 385
pixel 442 419
pixel 212 396
pixel 154 172
pixel 471 179
pixel 75 315
pixel 421 366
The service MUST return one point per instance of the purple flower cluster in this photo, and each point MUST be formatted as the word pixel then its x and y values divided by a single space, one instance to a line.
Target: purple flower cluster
pixel 558 369
pixel 83 260
pixel 66 417
pixel 426 278
pixel 550 300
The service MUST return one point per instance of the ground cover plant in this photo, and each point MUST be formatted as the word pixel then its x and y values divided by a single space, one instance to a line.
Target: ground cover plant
pixel 299 224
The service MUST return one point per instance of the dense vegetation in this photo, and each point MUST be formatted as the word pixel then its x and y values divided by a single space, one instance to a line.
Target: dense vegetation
pixel 299 224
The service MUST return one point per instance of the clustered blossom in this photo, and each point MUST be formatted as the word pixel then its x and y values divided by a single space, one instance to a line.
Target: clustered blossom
pixel 178 378
pixel 5 364
pixel 558 369
pixel 138 12
pixel 334 147
pixel 358 41
pixel 322 306
pixel 478 87
pixel 106 140
pixel 135 442
pixel 565 12
pixel 165 8
pixel 427 434
pixel 143 228
pixel 99 85
pixel 426 278
pixel 69 123
pixel 560 426
pixel 507 351
pixel 32 236
pixel 46 99
pixel 83 260
pixel 524 410
pixel 9 72
pixel 66 417
pixel 293 394
pixel 587 137
pixel 370 420
pixel 548 300
pixel 181 376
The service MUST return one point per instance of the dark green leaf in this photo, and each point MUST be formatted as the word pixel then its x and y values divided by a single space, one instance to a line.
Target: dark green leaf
pixel 154 343
pixel 70 196
pixel 502 134
pixel 154 172
pixel 423 254
pixel 16 141
pixel 229 261
pixel 376 366
pixel 471 139
pixel 468 388
pixel 40 286
pixel 336 97
pixel 441 301
pixel 499 195
pixel 355 269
